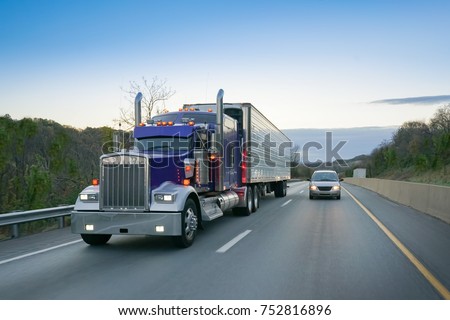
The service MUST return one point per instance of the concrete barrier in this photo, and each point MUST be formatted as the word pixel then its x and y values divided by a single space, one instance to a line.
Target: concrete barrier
pixel 430 199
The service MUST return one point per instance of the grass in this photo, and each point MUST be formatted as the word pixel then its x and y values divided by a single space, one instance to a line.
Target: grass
pixel 437 177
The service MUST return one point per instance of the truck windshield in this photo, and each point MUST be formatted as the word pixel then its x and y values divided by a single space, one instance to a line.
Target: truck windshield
pixel 177 144
pixel 165 117
pixel 194 116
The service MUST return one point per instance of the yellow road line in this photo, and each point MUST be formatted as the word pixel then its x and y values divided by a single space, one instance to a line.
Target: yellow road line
pixel 443 291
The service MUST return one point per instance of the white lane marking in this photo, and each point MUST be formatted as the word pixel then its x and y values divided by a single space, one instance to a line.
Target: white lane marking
pixel 286 203
pixel 40 251
pixel 232 242
pixel 302 191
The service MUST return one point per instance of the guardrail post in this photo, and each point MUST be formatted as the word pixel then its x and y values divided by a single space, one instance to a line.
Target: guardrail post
pixel 15 230
pixel 61 223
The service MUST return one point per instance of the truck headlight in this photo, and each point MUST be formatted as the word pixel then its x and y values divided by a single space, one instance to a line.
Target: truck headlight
pixel 164 197
pixel 89 196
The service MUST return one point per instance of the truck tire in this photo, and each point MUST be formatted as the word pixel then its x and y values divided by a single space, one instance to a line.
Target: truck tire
pixel 280 189
pixel 256 197
pixel 96 239
pixel 189 223
pixel 248 209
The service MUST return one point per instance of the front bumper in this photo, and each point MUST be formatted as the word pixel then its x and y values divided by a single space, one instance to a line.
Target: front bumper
pixel 331 193
pixel 134 223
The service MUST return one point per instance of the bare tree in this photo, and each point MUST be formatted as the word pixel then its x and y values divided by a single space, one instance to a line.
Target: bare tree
pixel 155 93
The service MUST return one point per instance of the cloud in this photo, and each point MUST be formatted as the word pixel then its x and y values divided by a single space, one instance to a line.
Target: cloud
pixel 426 100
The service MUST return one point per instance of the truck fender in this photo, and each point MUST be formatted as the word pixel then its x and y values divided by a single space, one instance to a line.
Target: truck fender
pixel 90 205
pixel 181 193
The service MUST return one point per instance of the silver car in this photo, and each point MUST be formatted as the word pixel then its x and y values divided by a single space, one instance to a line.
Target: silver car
pixel 325 183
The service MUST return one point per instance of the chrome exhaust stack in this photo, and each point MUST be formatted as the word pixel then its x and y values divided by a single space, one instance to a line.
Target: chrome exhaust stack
pixel 219 140
pixel 137 109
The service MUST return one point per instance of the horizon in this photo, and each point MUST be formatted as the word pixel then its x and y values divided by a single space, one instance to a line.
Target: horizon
pixel 356 141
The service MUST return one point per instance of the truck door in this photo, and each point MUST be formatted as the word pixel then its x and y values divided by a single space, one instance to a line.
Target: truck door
pixel 231 149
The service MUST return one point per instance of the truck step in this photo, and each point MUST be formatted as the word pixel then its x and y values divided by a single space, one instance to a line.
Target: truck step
pixel 210 209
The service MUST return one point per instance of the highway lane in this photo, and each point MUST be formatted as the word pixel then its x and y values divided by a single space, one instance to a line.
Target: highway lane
pixel 291 248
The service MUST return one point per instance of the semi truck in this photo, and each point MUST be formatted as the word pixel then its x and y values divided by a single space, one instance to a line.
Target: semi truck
pixel 185 168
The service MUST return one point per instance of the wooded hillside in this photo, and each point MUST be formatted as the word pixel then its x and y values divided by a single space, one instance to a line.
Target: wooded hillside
pixel 45 164
pixel 416 148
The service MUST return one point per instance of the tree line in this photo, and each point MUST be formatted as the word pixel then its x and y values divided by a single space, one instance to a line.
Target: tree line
pixel 45 164
pixel 416 145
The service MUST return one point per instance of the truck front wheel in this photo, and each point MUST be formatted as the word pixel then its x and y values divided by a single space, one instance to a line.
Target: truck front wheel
pixel 189 222
pixel 96 239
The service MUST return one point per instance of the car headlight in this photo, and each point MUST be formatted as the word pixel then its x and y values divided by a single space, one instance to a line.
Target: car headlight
pixel 89 196
pixel 336 188
pixel 313 188
pixel 164 197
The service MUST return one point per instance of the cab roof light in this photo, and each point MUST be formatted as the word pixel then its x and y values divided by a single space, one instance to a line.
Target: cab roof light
pixel 191 123
pixel 209 110
pixel 164 123
pixel 170 123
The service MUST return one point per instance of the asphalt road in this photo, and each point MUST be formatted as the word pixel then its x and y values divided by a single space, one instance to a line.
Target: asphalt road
pixel 291 248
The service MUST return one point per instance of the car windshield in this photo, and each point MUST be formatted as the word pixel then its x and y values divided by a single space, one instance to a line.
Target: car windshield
pixel 324 176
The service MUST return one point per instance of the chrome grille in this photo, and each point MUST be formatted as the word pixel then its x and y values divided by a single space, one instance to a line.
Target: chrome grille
pixel 124 183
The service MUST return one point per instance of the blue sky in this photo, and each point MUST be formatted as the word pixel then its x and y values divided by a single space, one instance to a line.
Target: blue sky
pixel 304 64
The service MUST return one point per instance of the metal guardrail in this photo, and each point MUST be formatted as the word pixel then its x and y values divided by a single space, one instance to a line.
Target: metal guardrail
pixel 13 219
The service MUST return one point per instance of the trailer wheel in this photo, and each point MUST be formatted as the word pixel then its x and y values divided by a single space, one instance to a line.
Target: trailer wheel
pixel 256 196
pixel 189 222
pixel 280 189
pixel 96 239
